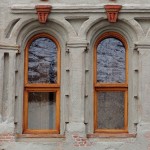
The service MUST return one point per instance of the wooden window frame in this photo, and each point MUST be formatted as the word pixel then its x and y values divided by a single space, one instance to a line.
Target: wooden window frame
pixel 111 86
pixel 41 87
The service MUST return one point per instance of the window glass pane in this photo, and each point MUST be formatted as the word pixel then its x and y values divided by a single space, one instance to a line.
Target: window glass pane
pixel 41 110
pixel 110 110
pixel 111 61
pixel 42 67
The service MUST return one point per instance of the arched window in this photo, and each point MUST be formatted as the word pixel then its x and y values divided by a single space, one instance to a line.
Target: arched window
pixel 42 85
pixel 110 84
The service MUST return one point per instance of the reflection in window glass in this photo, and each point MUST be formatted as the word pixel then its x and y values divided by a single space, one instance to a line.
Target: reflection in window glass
pixel 41 110
pixel 110 110
pixel 111 61
pixel 42 67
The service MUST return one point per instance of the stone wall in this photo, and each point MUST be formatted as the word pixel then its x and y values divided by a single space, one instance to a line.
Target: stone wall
pixel 76 25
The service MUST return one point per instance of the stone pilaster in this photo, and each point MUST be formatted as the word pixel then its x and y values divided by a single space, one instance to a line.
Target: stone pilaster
pixel 7 90
pixel 76 52
pixel 144 82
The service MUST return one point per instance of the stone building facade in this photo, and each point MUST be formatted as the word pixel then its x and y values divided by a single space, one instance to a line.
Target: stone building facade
pixel 76 25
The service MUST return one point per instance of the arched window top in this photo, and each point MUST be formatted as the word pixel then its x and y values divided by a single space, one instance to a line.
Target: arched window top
pixel 42 52
pixel 112 35
pixel 111 55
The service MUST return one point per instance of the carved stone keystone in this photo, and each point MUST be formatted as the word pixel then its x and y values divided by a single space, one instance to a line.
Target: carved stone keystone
pixel 112 12
pixel 43 11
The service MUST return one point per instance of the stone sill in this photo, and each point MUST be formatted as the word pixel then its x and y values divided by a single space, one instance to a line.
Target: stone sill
pixel 111 135
pixel 39 136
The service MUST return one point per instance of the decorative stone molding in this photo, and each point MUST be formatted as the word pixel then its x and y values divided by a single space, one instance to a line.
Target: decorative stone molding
pixel 77 42
pixel 6 47
pixel 112 12
pixel 76 45
pixel 142 46
pixel 26 9
pixel 43 12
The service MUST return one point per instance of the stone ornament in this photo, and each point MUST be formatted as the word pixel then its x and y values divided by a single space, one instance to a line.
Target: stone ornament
pixel 112 12
pixel 43 11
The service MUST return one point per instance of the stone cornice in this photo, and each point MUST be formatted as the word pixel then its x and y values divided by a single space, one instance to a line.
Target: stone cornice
pixel 79 8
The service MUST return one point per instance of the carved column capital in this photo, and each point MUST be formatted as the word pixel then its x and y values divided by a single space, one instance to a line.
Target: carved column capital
pixel 4 47
pixel 140 47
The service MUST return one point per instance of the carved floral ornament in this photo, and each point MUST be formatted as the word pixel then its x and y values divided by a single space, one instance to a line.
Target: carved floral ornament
pixel 43 11
pixel 112 12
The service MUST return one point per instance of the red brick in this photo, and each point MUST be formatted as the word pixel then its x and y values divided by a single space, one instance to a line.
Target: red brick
pixel 75 136
pixel 78 139
pixel 76 145
pixel 82 145
pixel 147 135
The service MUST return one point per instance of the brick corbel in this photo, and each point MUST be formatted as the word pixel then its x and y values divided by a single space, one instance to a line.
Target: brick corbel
pixel 43 11
pixel 112 12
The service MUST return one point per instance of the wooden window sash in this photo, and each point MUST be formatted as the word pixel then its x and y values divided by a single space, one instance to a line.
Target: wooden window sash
pixel 41 87
pixel 122 87
pixel 102 37
pixel 27 54
pixel 125 129
pixel 108 85
pixel 57 123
